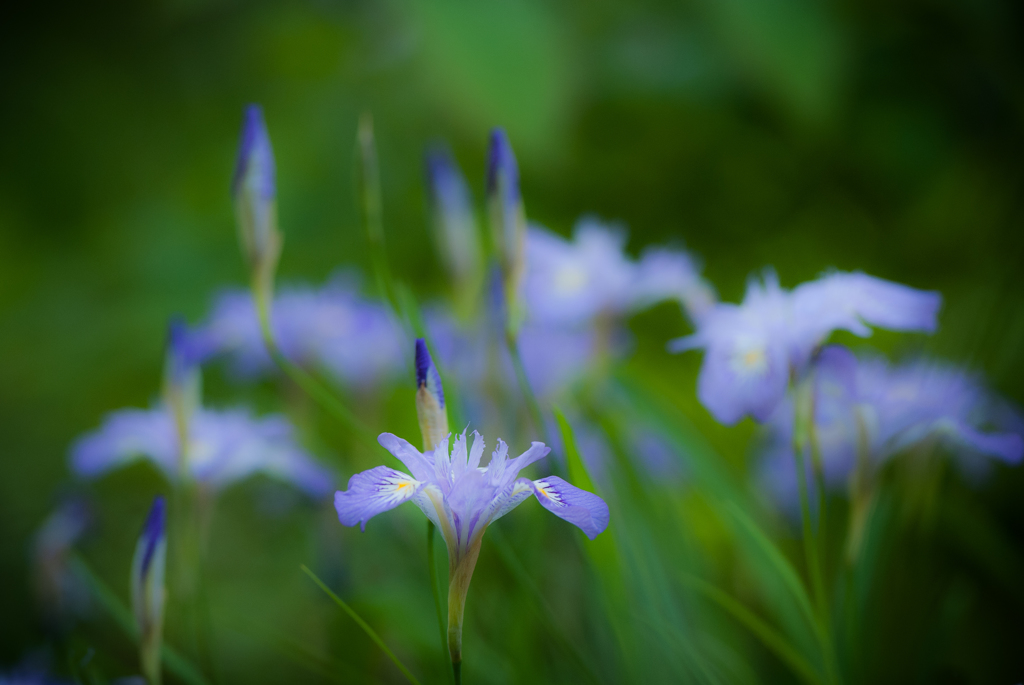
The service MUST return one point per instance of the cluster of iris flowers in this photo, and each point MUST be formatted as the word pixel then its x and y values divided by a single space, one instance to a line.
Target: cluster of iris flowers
pixel 528 323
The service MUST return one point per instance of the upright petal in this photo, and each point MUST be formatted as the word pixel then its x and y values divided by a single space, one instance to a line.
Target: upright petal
pixel 537 451
pixel 413 459
pixel 579 507
pixel 372 492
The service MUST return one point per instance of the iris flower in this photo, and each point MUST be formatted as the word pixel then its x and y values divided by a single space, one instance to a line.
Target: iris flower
pixel 870 410
pixel 333 329
pixel 458 495
pixel 186 441
pixel 569 283
pixel 754 348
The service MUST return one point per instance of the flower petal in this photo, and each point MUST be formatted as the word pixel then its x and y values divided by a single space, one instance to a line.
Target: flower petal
pixel 372 492
pixel 407 454
pixel 579 507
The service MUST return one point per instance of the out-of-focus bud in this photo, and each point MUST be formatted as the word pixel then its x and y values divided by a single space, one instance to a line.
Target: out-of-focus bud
pixel 255 192
pixel 429 399
pixel 508 223
pixel 61 594
pixel 182 376
pixel 455 228
pixel 147 589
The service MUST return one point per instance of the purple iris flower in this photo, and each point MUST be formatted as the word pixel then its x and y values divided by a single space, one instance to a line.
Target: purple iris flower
pixel 224 446
pixel 353 339
pixel 462 498
pixel 754 348
pixel 873 410
pixel 574 282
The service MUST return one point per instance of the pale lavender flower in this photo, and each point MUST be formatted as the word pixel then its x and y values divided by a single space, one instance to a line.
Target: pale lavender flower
pixel 462 498
pixel 873 410
pixel 224 446
pixel 574 282
pixel 754 348
pixel 147 588
pixel 333 328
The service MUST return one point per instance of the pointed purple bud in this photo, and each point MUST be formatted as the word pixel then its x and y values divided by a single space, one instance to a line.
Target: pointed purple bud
pixel 430 408
pixel 186 350
pixel 147 588
pixel 508 222
pixel 454 224
pixel 254 188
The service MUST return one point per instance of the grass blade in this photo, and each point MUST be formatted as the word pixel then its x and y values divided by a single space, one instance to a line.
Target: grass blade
pixel 768 635
pixel 370 632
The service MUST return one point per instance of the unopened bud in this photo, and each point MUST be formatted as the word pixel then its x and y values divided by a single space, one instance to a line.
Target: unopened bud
pixel 429 399
pixel 508 222
pixel 147 588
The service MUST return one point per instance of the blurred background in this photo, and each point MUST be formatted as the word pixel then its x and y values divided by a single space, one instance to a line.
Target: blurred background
pixel 881 136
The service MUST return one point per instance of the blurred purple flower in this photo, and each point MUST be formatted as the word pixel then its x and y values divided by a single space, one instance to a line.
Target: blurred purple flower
pixel 752 349
pixel 883 409
pixel 224 446
pixel 354 340
pixel 574 282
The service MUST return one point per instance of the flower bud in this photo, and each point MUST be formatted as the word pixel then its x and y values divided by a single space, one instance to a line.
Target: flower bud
pixel 182 375
pixel 147 589
pixel 429 399
pixel 455 228
pixel 254 189
pixel 508 222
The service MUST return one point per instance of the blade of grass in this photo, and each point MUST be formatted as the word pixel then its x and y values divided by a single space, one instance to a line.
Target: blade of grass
pixel 768 635
pixel 370 632
pixel 106 597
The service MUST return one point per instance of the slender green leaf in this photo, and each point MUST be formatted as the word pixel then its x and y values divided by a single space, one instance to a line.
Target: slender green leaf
pixel 370 632
pixel 768 635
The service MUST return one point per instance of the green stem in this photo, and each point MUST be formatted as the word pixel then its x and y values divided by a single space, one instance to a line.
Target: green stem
pixel 370 632
pixel 457 672
pixel 434 589
pixel 803 433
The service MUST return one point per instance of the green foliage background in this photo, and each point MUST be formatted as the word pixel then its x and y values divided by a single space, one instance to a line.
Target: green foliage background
pixel 882 136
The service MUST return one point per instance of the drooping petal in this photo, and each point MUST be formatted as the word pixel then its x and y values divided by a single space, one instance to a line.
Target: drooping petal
pixel 125 436
pixel 579 507
pixel 373 492
pixel 413 459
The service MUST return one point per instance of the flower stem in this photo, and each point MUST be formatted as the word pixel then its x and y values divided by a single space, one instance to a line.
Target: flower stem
pixel 457 672
pixel 434 589
pixel 370 632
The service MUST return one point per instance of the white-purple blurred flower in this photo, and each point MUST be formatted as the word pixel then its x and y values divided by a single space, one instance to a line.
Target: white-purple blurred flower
pixel 462 498
pixel 571 283
pixel 224 446
pixel 147 588
pixel 333 328
pixel 871 410
pixel 754 348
